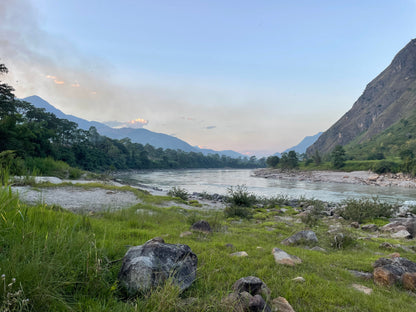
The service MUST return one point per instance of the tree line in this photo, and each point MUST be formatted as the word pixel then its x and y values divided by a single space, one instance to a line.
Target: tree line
pixel 27 132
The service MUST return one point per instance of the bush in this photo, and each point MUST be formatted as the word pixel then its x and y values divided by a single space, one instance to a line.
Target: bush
pixel 239 196
pixel 238 211
pixel 178 192
pixel 385 167
pixel 365 209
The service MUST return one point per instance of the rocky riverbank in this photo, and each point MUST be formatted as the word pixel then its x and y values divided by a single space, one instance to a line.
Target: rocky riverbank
pixel 354 177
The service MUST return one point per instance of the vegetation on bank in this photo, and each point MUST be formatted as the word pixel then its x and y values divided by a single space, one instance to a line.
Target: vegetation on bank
pixel 55 260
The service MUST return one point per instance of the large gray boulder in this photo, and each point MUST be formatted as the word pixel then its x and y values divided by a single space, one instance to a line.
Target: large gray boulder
pixel 148 266
pixel 307 237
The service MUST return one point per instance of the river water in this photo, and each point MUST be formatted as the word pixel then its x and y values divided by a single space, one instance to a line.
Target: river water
pixel 219 180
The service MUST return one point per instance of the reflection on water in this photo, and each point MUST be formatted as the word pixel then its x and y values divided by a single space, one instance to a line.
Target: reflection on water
pixel 218 180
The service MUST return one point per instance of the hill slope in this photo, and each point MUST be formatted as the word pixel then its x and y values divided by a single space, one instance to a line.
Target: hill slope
pixel 390 97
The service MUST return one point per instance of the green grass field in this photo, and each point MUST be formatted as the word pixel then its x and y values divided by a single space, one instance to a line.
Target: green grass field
pixel 63 261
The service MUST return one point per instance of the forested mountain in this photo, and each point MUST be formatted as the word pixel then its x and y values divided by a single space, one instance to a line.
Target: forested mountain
pixel 28 132
pixel 142 136
pixel 388 99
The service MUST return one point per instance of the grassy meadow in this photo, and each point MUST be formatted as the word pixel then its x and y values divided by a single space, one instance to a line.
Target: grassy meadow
pixel 55 260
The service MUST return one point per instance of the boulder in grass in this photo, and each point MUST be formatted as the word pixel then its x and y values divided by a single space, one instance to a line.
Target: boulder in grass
pixel 282 305
pixel 306 236
pixel 388 272
pixel 201 226
pixel 409 281
pixel 249 294
pixel 282 257
pixel 151 264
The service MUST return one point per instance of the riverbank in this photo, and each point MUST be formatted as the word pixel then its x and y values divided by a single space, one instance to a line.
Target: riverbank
pixel 354 177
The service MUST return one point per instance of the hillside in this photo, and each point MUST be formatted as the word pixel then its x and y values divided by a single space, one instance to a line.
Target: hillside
pixel 390 97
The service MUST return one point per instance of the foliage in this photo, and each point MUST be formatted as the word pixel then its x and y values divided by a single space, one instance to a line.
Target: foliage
pixel 239 196
pixel 366 209
pixel 289 160
pixel 272 161
pixel 338 157
pixel 179 192
pixel 234 211
pixel 312 217
pixel 385 166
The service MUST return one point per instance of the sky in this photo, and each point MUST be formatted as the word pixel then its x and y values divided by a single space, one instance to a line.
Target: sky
pixel 252 76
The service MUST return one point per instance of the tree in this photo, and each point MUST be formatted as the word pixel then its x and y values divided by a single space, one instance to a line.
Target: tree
pixel 317 159
pixel 289 160
pixel 338 157
pixel 272 161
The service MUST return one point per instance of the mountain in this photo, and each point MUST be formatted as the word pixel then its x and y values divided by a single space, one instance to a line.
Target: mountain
pixel 386 100
pixel 304 144
pixel 142 136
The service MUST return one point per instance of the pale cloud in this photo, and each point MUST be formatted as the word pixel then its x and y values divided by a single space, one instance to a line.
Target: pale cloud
pixel 75 85
pixel 210 127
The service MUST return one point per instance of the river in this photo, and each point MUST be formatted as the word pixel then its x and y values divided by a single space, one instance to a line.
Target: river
pixel 219 180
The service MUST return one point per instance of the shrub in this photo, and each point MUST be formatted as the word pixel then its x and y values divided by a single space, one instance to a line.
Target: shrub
pixel 239 196
pixel 238 211
pixel 178 192
pixel 385 167
pixel 366 208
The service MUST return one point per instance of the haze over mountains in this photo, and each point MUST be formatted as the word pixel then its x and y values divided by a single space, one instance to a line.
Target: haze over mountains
pixel 387 100
pixel 142 136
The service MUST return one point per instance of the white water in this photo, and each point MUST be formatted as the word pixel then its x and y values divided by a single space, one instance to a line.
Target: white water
pixel 219 180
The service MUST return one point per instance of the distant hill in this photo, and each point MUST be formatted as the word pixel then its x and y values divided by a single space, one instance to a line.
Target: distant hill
pixel 302 146
pixel 142 136
pixel 388 99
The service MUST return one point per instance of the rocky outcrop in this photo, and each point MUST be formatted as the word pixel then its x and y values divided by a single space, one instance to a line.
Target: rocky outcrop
pixel 388 272
pixel 151 264
pixel 387 99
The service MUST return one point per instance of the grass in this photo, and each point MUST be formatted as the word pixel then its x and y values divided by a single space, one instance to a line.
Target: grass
pixel 69 262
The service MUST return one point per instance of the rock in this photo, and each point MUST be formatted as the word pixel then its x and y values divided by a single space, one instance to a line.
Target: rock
pixel 386 245
pixel 393 227
pixel 201 226
pixel 301 237
pixel 239 254
pixel 389 271
pixel 369 227
pixel 409 281
pixel 185 234
pixel 362 288
pixel 149 265
pixel 299 279
pixel 317 248
pixel 282 257
pixel 231 246
pixel 394 255
pixel 355 225
pixel 362 275
pixel 257 304
pixel 249 294
pixel 253 285
pixel 401 234
pixel 282 305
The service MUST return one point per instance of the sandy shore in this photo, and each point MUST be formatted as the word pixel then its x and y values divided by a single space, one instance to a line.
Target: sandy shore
pixel 354 177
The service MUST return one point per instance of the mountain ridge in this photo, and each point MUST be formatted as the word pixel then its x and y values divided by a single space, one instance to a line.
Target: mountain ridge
pixel 140 135
pixel 386 99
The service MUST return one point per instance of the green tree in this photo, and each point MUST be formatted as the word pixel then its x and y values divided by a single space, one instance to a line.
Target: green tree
pixel 289 160
pixel 338 157
pixel 272 161
pixel 317 159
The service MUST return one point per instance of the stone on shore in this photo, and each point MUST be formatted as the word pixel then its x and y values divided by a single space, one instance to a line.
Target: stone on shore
pixel 388 272
pixel 239 254
pixel 282 305
pixel 151 264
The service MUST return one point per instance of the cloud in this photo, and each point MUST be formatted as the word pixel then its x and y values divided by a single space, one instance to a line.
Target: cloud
pixel 210 127
pixel 135 123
